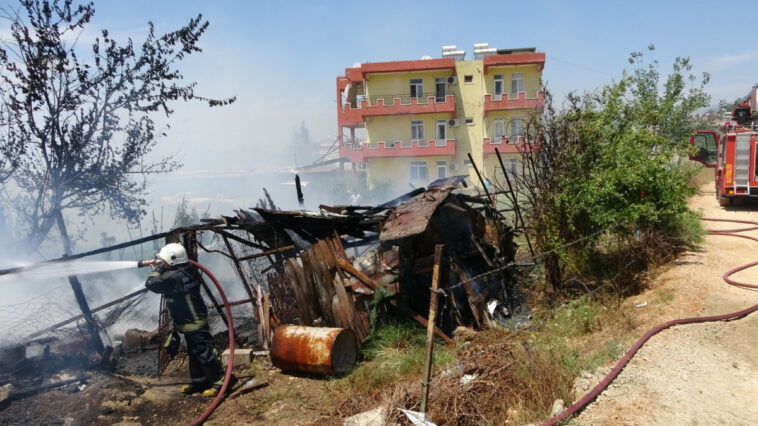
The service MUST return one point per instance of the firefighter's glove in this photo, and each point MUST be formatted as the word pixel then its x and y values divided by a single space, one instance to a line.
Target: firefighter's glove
pixel 171 345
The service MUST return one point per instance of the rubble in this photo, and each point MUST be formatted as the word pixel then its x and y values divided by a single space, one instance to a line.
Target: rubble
pixel 335 269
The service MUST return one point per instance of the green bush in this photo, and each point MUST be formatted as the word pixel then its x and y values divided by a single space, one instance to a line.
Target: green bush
pixel 609 168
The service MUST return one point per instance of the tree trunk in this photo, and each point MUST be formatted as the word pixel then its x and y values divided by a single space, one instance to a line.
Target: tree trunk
pixel 76 286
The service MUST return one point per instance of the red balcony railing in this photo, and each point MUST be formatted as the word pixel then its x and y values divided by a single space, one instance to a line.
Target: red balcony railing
pixel 396 105
pixel 512 145
pixel 507 102
pixel 398 149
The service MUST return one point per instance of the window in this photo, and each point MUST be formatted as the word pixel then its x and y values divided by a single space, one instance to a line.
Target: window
pixel 417 130
pixel 441 130
pixel 417 88
pixel 467 162
pixel 469 121
pixel 468 79
pixel 441 169
pixel 517 82
pixel 418 170
pixel 498 130
pixel 440 89
pixel 705 143
pixel 513 168
pixel 517 128
pixel 499 87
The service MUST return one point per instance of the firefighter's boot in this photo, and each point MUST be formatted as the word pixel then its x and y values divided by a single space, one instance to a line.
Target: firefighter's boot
pixel 194 387
pixel 213 391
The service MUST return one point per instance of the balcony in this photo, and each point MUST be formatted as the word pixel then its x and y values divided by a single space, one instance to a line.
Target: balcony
pixel 515 59
pixel 396 105
pixel 505 102
pixel 420 148
pixel 512 145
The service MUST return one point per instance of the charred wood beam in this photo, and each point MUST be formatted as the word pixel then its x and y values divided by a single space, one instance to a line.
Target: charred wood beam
pixel 361 241
pixel 257 296
pixel 207 250
pixel 240 240
pixel 266 253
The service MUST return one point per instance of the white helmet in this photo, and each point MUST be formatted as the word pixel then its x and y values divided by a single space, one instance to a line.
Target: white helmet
pixel 173 254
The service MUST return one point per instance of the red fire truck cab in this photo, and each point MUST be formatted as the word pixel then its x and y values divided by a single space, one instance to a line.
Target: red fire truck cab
pixel 732 153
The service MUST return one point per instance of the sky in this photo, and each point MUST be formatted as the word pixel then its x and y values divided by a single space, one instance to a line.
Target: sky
pixel 281 58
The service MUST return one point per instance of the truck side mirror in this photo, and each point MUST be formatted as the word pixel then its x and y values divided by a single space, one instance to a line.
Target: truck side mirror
pixel 705 147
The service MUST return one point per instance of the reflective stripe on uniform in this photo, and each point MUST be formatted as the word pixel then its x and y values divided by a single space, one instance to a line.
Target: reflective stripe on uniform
pixel 188 299
pixel 192 326
pixel 154 274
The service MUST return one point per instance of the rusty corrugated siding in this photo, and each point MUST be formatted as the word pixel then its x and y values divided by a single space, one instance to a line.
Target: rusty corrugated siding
pixel 412 216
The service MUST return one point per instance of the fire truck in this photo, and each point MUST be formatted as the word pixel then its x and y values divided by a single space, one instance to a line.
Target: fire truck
pixel 731 152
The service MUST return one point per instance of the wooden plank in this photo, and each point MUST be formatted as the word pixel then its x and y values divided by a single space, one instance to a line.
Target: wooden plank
pixel 470 295
pixel 309 293
pixel 338 247
pixel 312 269
pixel 439 251
pixel 266 317
pixel 332 248
pixel 326 259
pixel 304 303
pixel 348 308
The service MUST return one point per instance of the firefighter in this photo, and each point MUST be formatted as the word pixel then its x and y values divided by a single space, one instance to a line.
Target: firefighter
pixel 179 282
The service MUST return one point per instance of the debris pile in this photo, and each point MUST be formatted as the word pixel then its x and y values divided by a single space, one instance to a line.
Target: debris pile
pixel 341 266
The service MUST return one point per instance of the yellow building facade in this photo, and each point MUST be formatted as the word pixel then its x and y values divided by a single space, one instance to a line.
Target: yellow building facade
pixel 421 119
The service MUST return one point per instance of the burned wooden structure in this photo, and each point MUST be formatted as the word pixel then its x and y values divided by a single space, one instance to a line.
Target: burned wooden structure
pixel 333 267
pixel 393 253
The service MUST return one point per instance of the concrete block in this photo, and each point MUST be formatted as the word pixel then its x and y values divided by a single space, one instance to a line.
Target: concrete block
pixel 242 357
pixel 375 417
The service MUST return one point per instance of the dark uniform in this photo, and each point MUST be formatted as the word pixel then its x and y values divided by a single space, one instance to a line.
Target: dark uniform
pixel 180 284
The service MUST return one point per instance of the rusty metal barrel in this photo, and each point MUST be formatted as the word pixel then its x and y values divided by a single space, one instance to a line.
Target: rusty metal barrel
pixel 316 350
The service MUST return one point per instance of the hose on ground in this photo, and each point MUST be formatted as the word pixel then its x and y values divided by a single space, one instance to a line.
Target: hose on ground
pixel 616 370
pixel 230 364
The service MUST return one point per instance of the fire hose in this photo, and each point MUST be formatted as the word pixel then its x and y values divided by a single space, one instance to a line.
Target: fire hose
pixel 616 370
pixel 230 364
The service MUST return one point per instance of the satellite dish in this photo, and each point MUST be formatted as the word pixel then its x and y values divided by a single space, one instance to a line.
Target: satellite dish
pixel 426 57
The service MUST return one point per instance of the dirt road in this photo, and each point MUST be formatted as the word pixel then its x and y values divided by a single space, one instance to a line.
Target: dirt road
pixel 699 374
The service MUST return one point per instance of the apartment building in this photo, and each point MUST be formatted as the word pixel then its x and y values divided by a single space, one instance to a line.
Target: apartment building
pixel 412 122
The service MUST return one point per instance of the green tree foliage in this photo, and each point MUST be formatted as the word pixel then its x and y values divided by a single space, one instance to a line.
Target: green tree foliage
pixel 77 132
pixel 610 165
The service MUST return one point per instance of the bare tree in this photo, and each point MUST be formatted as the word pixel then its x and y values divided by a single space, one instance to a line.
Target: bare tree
pixel 77 133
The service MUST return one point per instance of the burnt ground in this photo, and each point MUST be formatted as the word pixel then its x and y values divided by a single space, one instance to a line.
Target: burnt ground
pixel 132 396
pixel 103 398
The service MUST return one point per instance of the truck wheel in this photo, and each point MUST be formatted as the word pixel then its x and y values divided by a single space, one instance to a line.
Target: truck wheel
pixel 723 201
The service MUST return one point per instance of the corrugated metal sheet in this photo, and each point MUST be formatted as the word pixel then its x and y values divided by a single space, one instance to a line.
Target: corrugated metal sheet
pixel 412 216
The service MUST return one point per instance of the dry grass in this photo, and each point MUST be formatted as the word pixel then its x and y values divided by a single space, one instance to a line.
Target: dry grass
pixel 517 375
